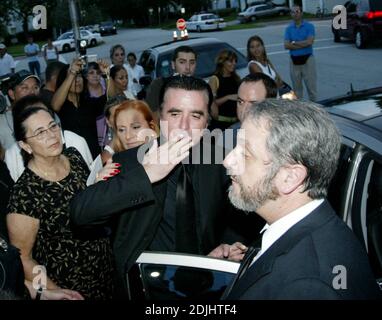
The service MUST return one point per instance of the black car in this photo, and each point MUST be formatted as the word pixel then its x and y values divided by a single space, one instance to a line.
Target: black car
pixel 107 27
pixel 156 61
pixel 364 22
pixel 356 190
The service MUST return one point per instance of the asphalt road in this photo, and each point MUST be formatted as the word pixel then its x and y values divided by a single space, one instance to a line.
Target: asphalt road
pixel 338 64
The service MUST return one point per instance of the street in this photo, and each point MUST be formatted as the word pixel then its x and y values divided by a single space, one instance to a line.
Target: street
pixel 338 64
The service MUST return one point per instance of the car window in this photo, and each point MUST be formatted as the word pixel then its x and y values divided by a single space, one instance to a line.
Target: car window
pixel 261 8
pixel 337 188
pixel 351 6
pixel 363 6
pixel 366 210
pixel 376 5
pixel 65 36
pixel 147 61
pixel 176 282
pixel 173 276
pixel 207 55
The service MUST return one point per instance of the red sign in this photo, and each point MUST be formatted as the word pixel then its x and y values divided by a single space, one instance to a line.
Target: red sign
pixel 181 24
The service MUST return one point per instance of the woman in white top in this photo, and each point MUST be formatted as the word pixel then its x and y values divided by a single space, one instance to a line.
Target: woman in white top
pixel 50 52
pixel 258 60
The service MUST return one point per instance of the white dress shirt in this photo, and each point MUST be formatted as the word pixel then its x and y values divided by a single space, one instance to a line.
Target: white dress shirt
pixel 135 73
pixel 274 231
pixel 7 63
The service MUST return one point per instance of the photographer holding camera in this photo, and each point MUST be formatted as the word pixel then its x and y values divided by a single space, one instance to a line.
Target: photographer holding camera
pixel 20 84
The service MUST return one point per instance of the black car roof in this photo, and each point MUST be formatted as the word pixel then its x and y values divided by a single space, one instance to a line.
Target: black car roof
pixel 172 45
pixel 360 106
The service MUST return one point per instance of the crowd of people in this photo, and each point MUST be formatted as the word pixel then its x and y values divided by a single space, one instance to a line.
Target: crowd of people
pixel 85 189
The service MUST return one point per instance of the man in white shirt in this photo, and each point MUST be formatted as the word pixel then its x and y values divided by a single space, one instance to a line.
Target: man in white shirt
pixel 281 169
pixel 135 72
pixel 7 63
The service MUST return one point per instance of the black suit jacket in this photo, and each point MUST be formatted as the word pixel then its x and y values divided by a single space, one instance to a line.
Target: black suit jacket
pixel 138 206
pixel 301 264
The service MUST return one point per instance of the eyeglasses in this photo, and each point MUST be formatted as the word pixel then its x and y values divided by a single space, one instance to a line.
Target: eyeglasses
pixel 295 11
pixel 54 127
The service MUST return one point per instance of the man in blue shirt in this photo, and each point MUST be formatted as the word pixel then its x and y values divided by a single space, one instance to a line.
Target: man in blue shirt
pixel 32 50
pixel 299 38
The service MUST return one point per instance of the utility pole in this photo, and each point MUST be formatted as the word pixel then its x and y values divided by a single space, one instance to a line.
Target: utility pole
pixel 74 18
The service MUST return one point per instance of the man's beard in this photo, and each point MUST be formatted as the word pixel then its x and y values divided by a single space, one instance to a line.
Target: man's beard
pixel 250 199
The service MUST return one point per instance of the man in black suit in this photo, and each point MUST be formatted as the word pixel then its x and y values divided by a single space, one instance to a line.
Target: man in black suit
pixel 146 199
pixel 281 169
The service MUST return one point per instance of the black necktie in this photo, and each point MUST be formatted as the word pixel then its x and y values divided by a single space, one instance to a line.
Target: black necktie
pixel 245 264
pixel 186 239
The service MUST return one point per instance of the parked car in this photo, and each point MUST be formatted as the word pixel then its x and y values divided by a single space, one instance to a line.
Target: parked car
pixel 64 42
pixel 205 21
pixel 91 38
pixel 262 10
pixel 364 22
pixel 356 190
pixel 355 193
pixel 156 61
pixel 107 27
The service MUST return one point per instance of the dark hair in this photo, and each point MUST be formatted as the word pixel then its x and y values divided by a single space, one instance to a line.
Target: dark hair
pixel 93 65
pixel 53 69
pixel 186 83
pixel 223 56
pixel 20 130
pixel 186 49
pixel 115 69
pixel 255 38
pixel 269 83
pixel 112 102
pixel 115 47
pixel 62 75
pixel 132 54
pixel 26 102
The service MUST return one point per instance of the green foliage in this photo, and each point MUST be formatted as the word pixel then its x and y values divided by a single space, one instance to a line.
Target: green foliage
pixel 226 12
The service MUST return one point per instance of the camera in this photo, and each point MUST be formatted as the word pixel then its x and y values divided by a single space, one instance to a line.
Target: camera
pixel 86 59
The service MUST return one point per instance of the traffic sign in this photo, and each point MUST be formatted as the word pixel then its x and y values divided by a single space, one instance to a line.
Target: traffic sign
pixel 181 24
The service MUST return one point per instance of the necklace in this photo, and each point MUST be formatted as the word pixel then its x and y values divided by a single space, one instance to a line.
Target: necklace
pixel 48 175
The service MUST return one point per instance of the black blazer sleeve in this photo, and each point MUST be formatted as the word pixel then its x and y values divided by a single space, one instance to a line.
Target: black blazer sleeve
pixel 99 202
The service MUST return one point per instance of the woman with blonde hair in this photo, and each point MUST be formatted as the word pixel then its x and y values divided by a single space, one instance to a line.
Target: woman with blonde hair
pixel 224 85
pixel 134 125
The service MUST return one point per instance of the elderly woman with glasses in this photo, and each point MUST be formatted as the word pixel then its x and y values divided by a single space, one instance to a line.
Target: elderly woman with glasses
pixel 52 252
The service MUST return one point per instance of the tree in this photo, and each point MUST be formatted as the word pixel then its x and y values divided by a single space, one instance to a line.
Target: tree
pixel 21 9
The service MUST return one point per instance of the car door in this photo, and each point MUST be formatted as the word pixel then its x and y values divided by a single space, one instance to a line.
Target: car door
pixel 191 23
pixel 364 210
pixel 174 276
pixel 355 193
pixel 261 11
